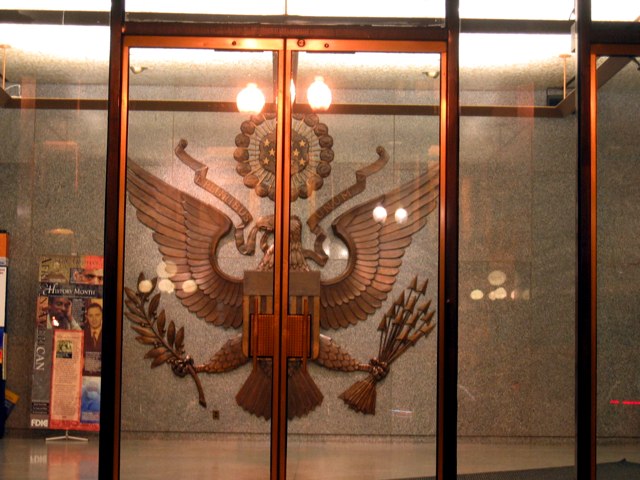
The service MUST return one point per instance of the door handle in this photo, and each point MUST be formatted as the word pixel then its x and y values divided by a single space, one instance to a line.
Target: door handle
pixel 302 328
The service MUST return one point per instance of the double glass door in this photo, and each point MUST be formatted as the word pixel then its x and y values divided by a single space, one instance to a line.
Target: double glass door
pixel 281 258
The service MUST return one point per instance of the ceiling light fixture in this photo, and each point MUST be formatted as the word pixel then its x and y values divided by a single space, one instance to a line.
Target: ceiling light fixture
pixel 319 94
pixel 250 99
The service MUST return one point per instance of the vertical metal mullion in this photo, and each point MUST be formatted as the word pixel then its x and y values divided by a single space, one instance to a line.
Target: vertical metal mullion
pixel 447 401
pixel 281 273
pixel 585 395
pixel 109 448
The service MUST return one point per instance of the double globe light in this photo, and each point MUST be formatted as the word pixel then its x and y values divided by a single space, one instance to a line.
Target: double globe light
pixel 252 100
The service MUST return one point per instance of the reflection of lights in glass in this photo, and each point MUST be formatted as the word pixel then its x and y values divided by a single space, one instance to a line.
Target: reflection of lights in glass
pixel 401 215
pixel 166 285
pixel 476 295
pixel 497 278
pixel 161 270
pixel 326 246
pixel 61 231
pixel 500 293
pixel 526 294
pixel 319 95
pixel 145 286
pixel 293 92
pixel 250 99
pixel 137 69
pixel 189 286
pixel 379 213
pixel 166 269
pixel 343 253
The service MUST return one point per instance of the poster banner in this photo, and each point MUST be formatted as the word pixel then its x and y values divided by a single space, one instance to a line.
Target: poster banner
pixel 66 379
pixel 68 310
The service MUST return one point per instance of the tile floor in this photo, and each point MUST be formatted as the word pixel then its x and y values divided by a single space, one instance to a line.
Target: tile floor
pixel 193 459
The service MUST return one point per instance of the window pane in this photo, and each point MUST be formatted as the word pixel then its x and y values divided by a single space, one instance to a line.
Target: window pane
pixel 374 8
pixel 184 130
pixel 517 270
pixel 53 159
pixel 615 10
pixel 515 70
pixel 618 259
pixel 329 8
pixel 215 7
pixel 58 5
pixel 508 9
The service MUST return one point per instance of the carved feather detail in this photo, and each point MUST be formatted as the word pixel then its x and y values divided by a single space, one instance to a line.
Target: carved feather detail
pixel 228 358
pixel 375 250
pixel 334 357
pixel 303 395
pixel 187 232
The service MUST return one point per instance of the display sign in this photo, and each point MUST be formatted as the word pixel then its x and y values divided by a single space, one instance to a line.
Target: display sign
pixel 68 344
pixel 4 262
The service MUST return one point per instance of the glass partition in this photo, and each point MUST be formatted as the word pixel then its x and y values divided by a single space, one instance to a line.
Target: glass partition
pixel 615 10
pixel 506 9
pixel 331 8
pixel 517 263
pixel 495 72
pixel 53 194
pixel 618 151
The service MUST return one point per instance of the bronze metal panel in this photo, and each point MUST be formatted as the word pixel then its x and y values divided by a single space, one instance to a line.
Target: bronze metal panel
pixel 304 283
pixel 258 283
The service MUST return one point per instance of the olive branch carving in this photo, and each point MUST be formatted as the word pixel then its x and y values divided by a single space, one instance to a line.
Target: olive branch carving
pixel 166 342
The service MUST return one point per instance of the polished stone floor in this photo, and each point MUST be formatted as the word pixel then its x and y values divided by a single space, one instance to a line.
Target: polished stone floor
pixel 178 458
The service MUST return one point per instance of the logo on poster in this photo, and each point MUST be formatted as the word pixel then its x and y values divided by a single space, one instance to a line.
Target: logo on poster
pixel 40 422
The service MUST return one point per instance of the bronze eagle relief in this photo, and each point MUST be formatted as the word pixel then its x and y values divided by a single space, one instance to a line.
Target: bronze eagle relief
pixel 189 231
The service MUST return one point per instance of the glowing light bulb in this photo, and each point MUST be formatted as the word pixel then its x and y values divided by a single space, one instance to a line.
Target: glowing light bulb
pixel 379 213
pixel 319 95
pixel 250 99
pixel 401 215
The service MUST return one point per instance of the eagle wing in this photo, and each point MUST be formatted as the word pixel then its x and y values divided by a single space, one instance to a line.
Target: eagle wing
pixel 187 232
pixel 375 250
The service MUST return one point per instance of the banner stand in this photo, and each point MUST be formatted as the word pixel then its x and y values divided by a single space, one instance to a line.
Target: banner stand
pixel 66 437
pixel 4 262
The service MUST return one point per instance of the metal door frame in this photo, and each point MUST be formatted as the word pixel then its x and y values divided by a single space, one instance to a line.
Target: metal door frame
pixel 116 201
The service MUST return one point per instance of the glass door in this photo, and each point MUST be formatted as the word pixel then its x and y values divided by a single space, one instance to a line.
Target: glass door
pixel 231 363
pixel 199 257
pixel 363 267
